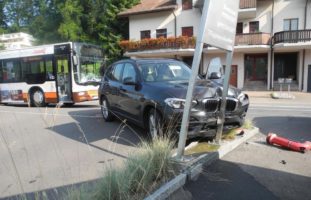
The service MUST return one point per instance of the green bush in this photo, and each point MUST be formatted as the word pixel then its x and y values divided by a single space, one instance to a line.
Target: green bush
pixel 140 175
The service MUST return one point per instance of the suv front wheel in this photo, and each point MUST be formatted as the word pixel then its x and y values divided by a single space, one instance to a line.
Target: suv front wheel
pixel 155 124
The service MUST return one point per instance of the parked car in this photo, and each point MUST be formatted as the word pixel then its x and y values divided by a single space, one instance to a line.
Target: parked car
pixel 151 93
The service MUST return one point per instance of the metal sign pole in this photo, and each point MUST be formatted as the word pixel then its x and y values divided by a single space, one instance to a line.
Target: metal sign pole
pixel 192 81
pixel 221 119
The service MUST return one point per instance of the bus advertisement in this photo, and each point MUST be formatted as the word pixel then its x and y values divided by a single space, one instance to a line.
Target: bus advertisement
pixel 56 73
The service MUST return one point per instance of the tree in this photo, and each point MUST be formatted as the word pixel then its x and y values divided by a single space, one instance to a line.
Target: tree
pixel 18 14
pixel 3 25
pixel 113 27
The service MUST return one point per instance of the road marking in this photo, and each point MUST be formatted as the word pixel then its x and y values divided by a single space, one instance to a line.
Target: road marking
pixel 50 114
pixel 279 106
pixel 278 109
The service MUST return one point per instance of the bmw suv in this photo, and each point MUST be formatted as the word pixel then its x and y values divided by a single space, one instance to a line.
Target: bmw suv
pixel 151 93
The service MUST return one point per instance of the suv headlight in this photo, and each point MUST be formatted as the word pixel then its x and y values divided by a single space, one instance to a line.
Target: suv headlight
pixel 178 103
pixel 241 97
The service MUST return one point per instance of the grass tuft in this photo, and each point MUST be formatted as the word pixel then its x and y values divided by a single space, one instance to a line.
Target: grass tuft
pixel 248 124
pixel 141 173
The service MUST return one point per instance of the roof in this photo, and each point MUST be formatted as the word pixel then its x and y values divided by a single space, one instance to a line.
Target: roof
pixel 149 6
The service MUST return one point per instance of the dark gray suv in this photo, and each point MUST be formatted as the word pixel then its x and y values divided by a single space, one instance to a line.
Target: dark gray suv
pixel 151 93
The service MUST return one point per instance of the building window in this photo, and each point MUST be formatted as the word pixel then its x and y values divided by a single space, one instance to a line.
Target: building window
pixel 254 27
pixel 187 31
pixel 145 34
pixel 290 24
pixel 162 33
pixel 186 4
pixel 239 28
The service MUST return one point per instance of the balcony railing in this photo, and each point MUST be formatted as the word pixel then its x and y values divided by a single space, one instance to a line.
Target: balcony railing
pixel 292 36
pixel 252 39
pixel 182 42
pixel 245 4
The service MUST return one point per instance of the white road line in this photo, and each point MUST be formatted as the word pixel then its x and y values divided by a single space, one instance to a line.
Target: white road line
pixel 279 106
pixel 278 109
pixel 51 114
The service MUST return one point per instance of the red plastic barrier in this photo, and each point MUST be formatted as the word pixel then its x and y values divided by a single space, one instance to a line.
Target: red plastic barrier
pixel 272 139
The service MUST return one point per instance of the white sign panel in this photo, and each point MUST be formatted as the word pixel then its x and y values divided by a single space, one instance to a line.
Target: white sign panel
pixel 221 20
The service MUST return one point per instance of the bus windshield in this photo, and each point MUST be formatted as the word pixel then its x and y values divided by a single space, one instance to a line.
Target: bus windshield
pixel 89 61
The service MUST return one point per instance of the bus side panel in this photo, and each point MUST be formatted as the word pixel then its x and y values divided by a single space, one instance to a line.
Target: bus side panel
pixel 19 92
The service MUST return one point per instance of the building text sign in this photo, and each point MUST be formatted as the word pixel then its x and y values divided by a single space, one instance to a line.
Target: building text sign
pixel 221 20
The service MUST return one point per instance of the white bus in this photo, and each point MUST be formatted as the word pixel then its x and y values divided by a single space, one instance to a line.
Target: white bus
pixel 65 72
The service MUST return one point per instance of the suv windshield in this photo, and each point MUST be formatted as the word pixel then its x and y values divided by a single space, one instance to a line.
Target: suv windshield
pixel 164 71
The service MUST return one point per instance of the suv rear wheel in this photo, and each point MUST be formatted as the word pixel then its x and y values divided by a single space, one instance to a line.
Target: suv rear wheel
pixel 105 110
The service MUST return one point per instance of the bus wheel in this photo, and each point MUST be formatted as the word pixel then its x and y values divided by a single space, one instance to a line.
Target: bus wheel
pixel 37 98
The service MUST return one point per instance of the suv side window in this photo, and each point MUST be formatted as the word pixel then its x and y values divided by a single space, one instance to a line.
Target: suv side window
pixel 116 76
pixel 114 72
pixel 129 73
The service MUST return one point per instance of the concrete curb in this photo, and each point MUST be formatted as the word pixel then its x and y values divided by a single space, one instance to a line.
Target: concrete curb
pixel 194 166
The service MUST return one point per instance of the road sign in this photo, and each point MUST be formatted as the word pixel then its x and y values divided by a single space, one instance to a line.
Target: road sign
pixel 217 28
pixel 221 23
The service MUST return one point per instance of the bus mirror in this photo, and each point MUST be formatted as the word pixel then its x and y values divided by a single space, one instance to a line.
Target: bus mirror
pixel 75 60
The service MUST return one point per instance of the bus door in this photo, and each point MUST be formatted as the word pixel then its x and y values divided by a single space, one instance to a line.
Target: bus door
pixel 63 78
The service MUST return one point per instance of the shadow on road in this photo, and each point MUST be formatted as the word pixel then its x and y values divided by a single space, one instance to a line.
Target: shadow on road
pixel 294 128
pixel 227 180
pixel 89 127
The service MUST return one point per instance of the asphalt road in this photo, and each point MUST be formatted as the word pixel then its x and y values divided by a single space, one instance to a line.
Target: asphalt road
pixel 43 148
pixel 256 170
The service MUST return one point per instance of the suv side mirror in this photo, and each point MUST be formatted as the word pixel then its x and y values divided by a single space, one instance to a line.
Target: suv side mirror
pixel 215 75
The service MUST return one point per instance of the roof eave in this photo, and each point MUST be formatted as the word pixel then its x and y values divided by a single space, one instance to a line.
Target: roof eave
pixel 167 8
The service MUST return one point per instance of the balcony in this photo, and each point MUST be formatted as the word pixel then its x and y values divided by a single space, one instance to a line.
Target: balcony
pixel 247 4
pixel 292 36
pixel 248 9
pixel 182 42
pixel 252 39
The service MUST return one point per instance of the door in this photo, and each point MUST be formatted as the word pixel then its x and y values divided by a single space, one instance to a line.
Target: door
pixel 63 78
pixel 309 78
pixel 112 86
pixel 234 75
pixel 256 67
pixel 130 95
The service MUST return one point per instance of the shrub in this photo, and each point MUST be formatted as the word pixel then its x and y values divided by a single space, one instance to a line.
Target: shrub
pixel 141 173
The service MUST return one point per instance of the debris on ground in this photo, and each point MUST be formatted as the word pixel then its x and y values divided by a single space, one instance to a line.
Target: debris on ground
pixel 273 139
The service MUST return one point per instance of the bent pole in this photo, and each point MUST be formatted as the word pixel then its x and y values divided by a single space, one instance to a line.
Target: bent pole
pixel 221 118
pixel 193 77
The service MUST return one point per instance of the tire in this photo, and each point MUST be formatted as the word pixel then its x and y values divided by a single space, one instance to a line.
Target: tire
pixel 154 124
pixel 105 110
pixel 37 98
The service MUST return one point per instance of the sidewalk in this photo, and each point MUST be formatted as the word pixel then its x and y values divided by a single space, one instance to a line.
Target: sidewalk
pixel 264 97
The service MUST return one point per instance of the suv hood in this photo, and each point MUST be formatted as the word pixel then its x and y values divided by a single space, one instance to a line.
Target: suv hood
pixel 178 89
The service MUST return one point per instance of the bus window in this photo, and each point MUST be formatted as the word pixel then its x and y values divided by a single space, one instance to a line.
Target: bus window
pixel 33 70
pixel 49 69
pixel 11 71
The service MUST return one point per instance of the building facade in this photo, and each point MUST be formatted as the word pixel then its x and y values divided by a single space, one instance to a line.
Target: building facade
pixel 273 40
pixel 16 40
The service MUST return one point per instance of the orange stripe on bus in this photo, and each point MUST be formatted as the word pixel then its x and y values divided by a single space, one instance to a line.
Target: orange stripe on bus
pixel 25 97
pixel 50 97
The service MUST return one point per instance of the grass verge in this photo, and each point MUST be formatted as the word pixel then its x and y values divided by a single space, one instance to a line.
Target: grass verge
pixel 141 174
